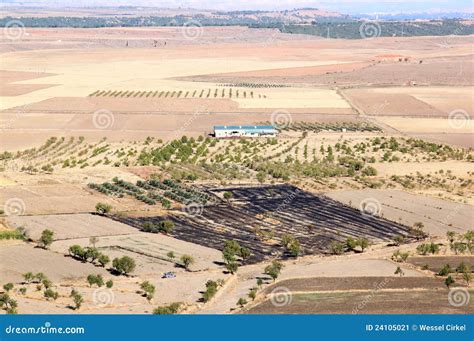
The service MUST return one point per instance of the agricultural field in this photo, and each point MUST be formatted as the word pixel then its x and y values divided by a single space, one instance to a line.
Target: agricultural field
pixel 436 263
pixel 391 302
pixel 259 217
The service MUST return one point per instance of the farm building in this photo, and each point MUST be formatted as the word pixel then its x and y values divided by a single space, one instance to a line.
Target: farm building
pixel 244 131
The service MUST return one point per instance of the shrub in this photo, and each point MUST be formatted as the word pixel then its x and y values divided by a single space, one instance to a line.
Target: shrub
pixel 102 208
pixel 369 171
pixel 241 302
pixel 95 279
pixel 78 300
pixel 166 226
pixel 28 277
pixel 7 287
pixel 168 310
pixel 78 252
pixel 46 238
pixel 103 260
pixel 399 256
pixel 16 234
pixel 449 281
pixel 398 240
pixel 171 256
pixel 337 248
pixel 124 265
pixel 49 293
pixel 211 290
pixel 253 293
pixel 187 261
pixel 148 290
pixel 274 269
pixel 445 270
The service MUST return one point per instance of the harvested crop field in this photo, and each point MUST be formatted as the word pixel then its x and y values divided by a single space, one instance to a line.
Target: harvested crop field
pixel 440 130
pixel 278 210
pixel 431 301
pixel 53 198
pixel 438 216
pixel 411 102
pixel 149 250
pixel 22 258
pixel 435 263
pixel 69 226
pixel 356 283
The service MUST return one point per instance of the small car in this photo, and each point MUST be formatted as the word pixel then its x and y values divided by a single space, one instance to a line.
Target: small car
pixel 168 275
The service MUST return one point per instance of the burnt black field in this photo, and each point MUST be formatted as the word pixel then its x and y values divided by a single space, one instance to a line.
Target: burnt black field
pixel 314 220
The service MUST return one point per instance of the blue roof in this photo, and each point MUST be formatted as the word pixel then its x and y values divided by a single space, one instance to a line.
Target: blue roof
pixel 244 127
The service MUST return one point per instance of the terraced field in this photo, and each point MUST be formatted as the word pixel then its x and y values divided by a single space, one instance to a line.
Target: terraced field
pixel 390 302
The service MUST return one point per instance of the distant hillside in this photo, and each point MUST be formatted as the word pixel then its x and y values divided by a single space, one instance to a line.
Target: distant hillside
pixel 373 29
pixel 310 21
pixel 296 16
pixel 136 16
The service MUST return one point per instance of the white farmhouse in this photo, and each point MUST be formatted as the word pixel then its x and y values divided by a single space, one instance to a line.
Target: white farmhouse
pixel 244 131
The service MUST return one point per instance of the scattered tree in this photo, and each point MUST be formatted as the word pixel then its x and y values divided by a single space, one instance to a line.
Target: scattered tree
pixel 95 279
pixel 124 265
pixel 445 270
pixel 399 271
pixel 77 298
pixel 467 277
pixel 241 302
pixel 274 269
pixel 7 287
pixel 167 310
pixel 46 239
pixel 103 260
pixel 28 277
pixel 253 293
pixel 102 208
pixel 187 261
pixel 148 290
pixel 449 281
pixel 337 248
pixel 399 256
pixel 50 293
pixel 171 256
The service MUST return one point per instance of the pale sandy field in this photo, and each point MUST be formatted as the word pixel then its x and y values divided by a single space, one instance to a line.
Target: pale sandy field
pixel 70 64
pixel 437 215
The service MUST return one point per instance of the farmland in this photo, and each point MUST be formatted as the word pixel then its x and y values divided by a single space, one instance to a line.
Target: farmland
pixel 258 217
pixel 401 302
pixel 109 172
